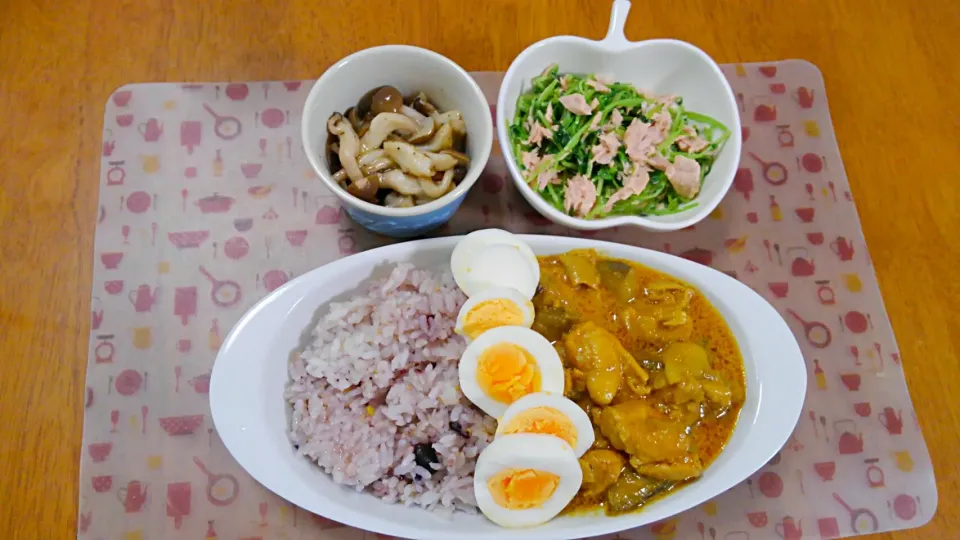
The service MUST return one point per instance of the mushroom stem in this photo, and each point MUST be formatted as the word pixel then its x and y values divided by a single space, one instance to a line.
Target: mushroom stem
pixel 384 124
pixel 349 145
pixel 409 159
pixel 366 188
pixel 396 200
pixel 413 114
pixel 439 189
pixel 442 140
pixel 398 181
pixel 442 162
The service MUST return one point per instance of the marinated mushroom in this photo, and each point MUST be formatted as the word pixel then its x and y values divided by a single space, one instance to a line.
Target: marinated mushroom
pixel 380 164
pixel 441 162
pixel 414 114
pixel 349 145
pixel 383 125
pixel 459 134
pixel 448 117
pixel 396 152
pixel 459 173
pixel 398 181
pixel 367 158
pixel 366 188
pixel 442 140
pixel 422 105
pixel 462 159
pixel 409 159
pixel 386 99
pixel 395 200
pixel 435 190
pixel 363 105
pixel 426 130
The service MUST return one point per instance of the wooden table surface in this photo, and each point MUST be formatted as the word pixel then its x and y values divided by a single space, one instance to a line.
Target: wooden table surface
pixel 892 74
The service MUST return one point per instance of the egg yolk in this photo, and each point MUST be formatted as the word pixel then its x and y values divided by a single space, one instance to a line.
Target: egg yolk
pixel 491 314
pixel 544 420
pixel 507 372
pixel 520 489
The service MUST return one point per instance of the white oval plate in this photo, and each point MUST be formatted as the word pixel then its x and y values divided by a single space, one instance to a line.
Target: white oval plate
pixel 251 415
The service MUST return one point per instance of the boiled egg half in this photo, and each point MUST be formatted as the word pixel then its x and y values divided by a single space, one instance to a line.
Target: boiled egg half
pixel 494 258
pixel 506 363
pixel 525 479
pixel 549 414
pixel 491 308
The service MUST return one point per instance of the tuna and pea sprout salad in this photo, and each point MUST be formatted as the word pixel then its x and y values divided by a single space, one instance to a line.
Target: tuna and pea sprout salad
pixel 594 148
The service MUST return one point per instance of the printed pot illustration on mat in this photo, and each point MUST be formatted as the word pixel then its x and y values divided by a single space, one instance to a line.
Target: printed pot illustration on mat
pixel 215 204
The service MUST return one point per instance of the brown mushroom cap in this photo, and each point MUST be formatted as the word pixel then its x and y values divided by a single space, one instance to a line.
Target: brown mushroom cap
pixel 363 105
pixel 422 105
pixel 366 188
pixel 386 99
pixel 459 173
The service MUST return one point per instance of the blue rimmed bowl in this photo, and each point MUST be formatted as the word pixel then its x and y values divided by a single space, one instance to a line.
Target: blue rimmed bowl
pixel 410 70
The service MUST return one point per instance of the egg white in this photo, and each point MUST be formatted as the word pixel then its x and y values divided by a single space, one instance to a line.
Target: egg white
pixel 496 293
pixel 568 408
pixel 481 260
pixel 543 353
pixel 527 451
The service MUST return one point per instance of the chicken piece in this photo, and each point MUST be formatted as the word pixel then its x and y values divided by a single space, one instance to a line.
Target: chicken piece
pixel 690 141
pixel 576 104
pixel 530 160
pixel 641 140
pixel 684 176
pixel 647 327
pixel 599 86
pixel 546 178
pixel 616 118
pixel 667 100
pixel 687 390
pixel 679 470
pixel 580 196
pixel 538 133
pixel 606 148
pixel 683 359
pixel 601 468
pixel 718 394
pixel 661 124
pixel 644 433
pixel 601 357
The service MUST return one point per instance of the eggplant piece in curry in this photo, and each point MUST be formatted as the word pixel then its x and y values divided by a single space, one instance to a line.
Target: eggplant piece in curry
pixel 654 366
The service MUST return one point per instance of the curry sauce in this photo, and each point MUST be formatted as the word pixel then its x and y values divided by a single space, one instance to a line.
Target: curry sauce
pixel 653 364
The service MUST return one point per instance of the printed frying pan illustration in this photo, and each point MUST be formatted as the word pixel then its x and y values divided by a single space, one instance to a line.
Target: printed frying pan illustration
pixel 222 489
pixel 224 293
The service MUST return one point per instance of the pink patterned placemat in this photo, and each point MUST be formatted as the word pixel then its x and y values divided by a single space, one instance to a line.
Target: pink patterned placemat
pixel 207 203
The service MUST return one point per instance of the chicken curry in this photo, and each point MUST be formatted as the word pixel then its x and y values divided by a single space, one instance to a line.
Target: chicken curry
pixel 654 366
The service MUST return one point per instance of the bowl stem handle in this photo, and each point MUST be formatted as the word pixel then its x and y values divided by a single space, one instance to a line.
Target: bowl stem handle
pixel 618 18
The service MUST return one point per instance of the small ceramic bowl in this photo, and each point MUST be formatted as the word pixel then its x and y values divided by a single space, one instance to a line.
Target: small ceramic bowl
pixel 664 66
pixel 410 70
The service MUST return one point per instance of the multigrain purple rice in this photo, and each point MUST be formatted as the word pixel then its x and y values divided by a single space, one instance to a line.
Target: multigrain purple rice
pixel 379 378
